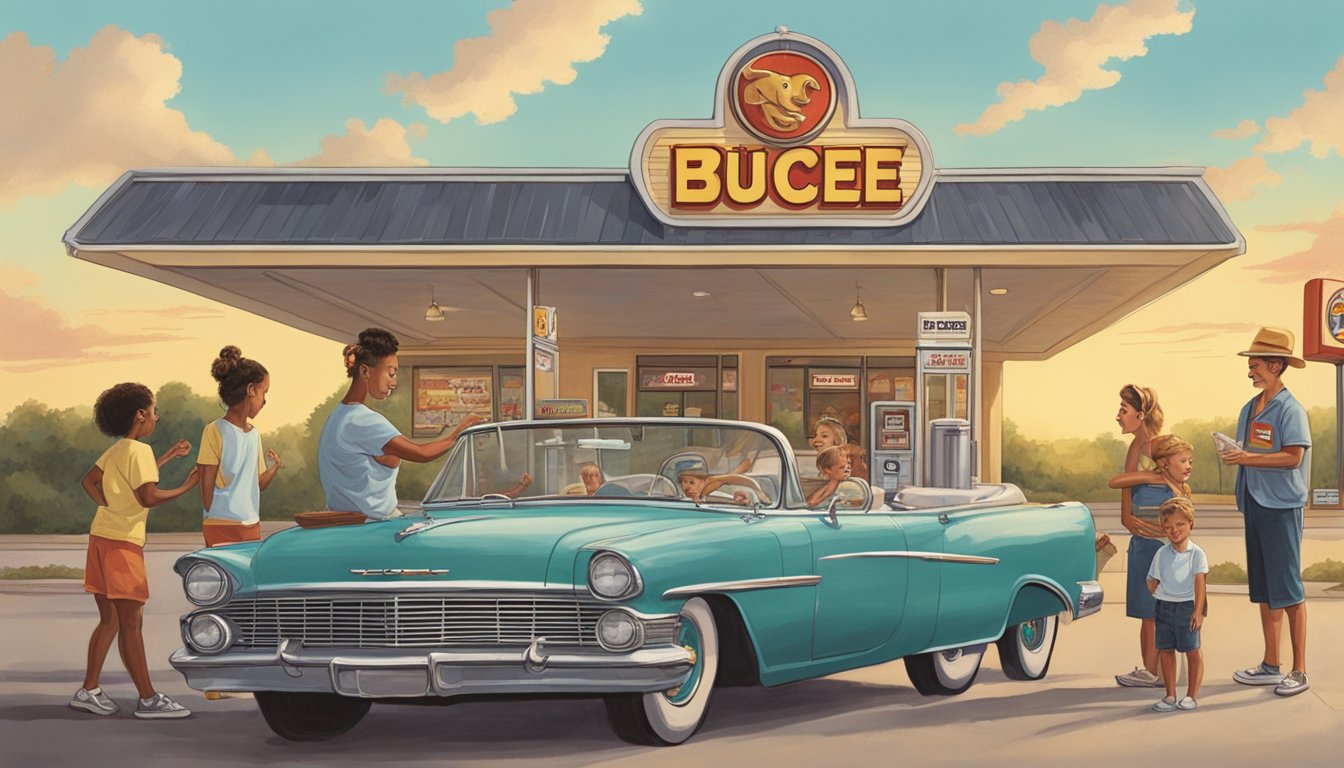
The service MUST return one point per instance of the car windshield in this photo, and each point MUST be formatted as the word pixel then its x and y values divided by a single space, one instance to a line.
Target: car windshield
pixel 708 464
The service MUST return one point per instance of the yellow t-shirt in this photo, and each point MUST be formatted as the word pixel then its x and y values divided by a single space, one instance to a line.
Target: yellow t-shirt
pixel 127 465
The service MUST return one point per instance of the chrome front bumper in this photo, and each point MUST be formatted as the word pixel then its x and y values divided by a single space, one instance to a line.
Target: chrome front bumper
pixel 1089 598
pixel 394 672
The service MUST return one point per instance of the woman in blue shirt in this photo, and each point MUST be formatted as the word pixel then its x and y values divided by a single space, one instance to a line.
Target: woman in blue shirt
pixel 360 451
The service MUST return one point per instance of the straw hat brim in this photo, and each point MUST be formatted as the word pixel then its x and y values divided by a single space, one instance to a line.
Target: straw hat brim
pixel 1293 360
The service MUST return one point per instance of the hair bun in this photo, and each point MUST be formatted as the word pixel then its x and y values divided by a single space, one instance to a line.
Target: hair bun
pixel 226 363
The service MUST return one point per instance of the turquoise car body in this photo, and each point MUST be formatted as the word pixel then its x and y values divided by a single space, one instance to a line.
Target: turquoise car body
pixel 816 591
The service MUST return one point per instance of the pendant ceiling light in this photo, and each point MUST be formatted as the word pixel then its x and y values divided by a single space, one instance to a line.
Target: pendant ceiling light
pixel 433 313
pixel 859 313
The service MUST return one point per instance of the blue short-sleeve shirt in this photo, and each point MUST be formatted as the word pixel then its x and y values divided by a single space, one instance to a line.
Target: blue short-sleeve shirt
pixel 351 479
pixel 1283 422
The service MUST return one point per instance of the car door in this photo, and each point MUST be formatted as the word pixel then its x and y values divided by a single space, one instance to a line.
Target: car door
pixel 861 559
pixel 976 584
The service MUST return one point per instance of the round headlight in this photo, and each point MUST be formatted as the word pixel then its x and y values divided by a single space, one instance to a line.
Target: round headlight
pixel 208 633
pixel 619 631
pixel 205 583
pixel 612 578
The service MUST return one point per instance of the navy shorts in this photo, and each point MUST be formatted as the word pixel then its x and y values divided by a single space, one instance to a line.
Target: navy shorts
pixel 1173 626
pixel 1274 554
pixel 1139 602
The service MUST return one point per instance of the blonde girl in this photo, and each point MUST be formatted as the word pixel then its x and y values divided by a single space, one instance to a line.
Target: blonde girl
pixel 1174 460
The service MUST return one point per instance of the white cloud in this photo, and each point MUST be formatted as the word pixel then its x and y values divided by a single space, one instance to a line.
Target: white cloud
pixel 1074 53
pixel 1238 180
pixel 1319 121
pixel 386 144
pixel 1244 129
pixel 103 110
pixel 1319 259
pixel 531 43
pixel 87 119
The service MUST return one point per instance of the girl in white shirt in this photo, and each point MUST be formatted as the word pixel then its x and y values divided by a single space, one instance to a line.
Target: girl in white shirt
pixel 233 472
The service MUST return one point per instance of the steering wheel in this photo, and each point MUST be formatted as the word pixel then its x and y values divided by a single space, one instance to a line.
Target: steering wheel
pixel 746 482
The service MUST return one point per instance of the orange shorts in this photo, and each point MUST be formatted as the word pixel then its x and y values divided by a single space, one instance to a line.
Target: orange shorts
pixel 116 570
pixel 216 534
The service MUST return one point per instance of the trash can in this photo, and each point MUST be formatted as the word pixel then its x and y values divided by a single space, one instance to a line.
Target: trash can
pixel 950 453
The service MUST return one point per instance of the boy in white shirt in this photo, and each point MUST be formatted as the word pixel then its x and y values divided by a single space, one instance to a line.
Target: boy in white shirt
pixel 1176 579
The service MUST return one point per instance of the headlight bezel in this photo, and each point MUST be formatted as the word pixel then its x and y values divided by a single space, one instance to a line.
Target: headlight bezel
pixel 201 566
pixel 636 638
pixel 632 590
pixel 226 633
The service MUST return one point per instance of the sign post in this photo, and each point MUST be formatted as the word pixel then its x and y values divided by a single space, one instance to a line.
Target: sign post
pixel 1323 342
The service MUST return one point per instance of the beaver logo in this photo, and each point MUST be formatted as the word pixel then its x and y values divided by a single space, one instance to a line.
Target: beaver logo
pixel 1335 316
pixel 784 97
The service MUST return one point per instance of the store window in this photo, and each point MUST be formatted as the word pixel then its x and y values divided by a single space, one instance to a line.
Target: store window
pixel 444 395
pixel 802 390
pixel 611 392
pixel 693 386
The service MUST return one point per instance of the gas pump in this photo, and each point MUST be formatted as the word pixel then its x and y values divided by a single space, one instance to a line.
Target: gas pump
pixel 943 350
pixel 893 430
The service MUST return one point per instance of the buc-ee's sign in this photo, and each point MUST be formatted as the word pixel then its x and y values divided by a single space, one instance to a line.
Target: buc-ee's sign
pixel 786 147
pixel 1323 321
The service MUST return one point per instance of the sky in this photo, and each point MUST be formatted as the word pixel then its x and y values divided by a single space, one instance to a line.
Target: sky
pixel 91 89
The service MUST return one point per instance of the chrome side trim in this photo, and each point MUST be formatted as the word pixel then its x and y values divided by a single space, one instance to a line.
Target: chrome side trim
pixel 399 571
pixel 1089 600
pixel 745 585
pixel 940 556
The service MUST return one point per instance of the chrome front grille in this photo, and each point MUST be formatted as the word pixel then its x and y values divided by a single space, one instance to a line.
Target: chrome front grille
pixel 399 621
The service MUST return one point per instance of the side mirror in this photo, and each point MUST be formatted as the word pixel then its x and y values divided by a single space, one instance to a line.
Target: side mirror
pixel 850 495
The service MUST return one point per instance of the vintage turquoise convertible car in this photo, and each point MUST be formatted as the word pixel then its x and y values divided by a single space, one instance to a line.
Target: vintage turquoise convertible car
pixel 629 588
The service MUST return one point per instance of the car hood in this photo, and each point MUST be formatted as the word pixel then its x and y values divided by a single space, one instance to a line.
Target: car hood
pixel 511 545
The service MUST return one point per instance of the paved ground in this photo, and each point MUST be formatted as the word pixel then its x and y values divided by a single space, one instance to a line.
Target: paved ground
pixel 867 717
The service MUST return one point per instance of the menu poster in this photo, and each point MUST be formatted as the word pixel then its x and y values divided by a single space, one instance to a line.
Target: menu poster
pixel 511 396
pixel 444 396
pixel 904 388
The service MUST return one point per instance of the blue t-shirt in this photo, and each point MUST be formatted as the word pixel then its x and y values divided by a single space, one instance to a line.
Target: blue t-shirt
pixel 351 479
pixel 1282 423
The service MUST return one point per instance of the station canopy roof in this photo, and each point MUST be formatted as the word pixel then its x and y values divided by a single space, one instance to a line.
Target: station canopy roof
pixel 333 251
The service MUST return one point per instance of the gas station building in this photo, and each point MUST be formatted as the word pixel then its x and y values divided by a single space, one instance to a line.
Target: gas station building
pixel 768 263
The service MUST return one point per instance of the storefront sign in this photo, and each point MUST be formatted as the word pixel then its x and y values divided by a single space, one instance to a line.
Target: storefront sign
pixel 786 147
pixel 946 361
pixel 944 326
pixel 545 360
pixel 1324 497
pixel 665 379
pixel 1323 321
pixel 835 381
pixel 543 323
pixel 562 409
pixel 445 396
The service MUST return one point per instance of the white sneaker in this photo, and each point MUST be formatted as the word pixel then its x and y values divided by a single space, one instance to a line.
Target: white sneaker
pixel 96 702
pixel 160 707
pixel 1139 678
pixel 1187 704
pixel 1258 675
pixel 1293 684
pixel 1166 704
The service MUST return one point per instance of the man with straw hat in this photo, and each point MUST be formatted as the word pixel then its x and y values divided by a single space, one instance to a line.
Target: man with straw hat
pixel 1272 467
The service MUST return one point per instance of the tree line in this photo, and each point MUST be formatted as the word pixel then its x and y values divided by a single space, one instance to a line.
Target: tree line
pixel 1077 469
pixel 44 452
